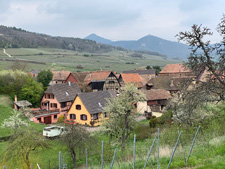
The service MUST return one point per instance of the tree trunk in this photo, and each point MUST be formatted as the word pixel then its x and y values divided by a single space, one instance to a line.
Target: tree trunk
pixel 27 161
pixel 73 155
pixel 124 131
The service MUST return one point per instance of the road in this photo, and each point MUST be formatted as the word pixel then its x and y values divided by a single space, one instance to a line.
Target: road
pixel 4 51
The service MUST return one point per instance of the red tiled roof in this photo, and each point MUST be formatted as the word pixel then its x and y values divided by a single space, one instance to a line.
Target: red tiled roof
pixel 175 68
pixel 60 75
pixel 157 94
pixel 97 76
pixel 132 78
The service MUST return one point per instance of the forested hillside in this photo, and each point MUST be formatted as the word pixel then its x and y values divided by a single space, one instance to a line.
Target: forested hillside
pixel 19 38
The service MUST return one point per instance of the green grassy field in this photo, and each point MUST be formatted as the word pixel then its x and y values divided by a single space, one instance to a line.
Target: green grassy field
pixel 60 59
pixel 208 152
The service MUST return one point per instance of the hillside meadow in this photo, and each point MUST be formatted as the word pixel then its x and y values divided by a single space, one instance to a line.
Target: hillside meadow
pixel 208 151
pixel 60 59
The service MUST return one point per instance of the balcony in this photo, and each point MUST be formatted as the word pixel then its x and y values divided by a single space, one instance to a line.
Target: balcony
pixel 43 112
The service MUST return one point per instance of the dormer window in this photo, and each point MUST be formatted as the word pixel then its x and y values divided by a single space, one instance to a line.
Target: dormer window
pixel 99 104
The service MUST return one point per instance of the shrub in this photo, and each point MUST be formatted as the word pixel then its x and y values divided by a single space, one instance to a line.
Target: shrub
pixel 153 122
pixel 60 119
pixel 143 132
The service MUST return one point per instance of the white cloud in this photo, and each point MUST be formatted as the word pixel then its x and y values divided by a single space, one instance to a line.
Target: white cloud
pixel 113 19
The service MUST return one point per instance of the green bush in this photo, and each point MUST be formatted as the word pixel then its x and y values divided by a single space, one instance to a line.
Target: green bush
pixel 153 122
pixel 60 119
pixel 143 132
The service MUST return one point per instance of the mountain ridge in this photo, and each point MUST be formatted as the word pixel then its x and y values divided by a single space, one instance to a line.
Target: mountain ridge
pixel 148 43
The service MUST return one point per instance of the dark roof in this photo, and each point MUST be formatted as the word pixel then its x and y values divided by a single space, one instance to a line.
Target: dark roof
pixel 141 72
pixel 94 101
pixel 64 92
pixel 80 76
pixel 168 82
pixel 157 94
pixel 23 103
pixel 35 71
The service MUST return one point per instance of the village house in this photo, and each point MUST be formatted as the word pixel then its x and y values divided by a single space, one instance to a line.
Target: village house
pixel 76 77
pixel 102 80
pixel 21 104
pixel 157 99
pixel 176 70
pixel 132 78
pixel 145 74
pixel 87 107
pixel 56 102
pixel 34 73
pixel 59 77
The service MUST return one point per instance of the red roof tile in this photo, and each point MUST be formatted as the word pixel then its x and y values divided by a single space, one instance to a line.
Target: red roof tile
pixel 132 78
pixel 175 68
pixel 60 75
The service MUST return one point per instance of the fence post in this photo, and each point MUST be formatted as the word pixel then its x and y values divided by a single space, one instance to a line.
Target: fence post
pixel 4 167
pixel 86 159
pixel 158 151
pixel 171 158
pixel 102 154
pixel 60 160
pixel 149 153
pixel 113 158
pixel 31 166
pixel 38 166
pixel 134 151
pixel 193 142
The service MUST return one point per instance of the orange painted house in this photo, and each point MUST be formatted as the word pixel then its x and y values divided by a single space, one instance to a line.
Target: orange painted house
pixel 87 107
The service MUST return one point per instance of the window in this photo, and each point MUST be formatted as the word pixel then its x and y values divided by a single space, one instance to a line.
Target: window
pixel 39 119
pixel 63 104
pixel 105 114
pixel 111 82
pixel 78 107
pixel 53 105
pixel 83 117
pixel 72 116
pixel 95 116
pixel 55 116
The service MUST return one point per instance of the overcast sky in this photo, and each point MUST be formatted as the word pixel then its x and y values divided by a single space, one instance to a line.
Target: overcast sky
pixel 112 19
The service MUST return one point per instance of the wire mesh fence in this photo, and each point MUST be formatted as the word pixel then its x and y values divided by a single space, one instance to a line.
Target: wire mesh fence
pixel 107 156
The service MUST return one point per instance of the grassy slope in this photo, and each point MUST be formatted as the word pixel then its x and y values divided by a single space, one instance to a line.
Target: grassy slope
pixel 60 59
pixel 208 152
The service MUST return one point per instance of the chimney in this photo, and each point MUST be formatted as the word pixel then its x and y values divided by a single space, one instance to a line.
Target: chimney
pixel 171 83
pixel 15 106
pixel 15 98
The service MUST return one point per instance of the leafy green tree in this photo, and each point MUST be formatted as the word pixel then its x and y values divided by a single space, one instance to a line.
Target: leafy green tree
pixel 14 122
pixel 122 113
pixel 157 69
pixel 44 77
pixel 148 67
pixel 11 82
pixel 22 146
pixel 31 91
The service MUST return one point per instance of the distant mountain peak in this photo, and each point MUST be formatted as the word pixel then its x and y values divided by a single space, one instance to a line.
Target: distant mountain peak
pixel 98 39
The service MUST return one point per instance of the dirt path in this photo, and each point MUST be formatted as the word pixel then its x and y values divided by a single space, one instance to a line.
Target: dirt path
pixel 4 51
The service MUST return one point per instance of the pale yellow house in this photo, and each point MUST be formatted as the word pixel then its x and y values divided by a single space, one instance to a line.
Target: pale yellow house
pixel 87 107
